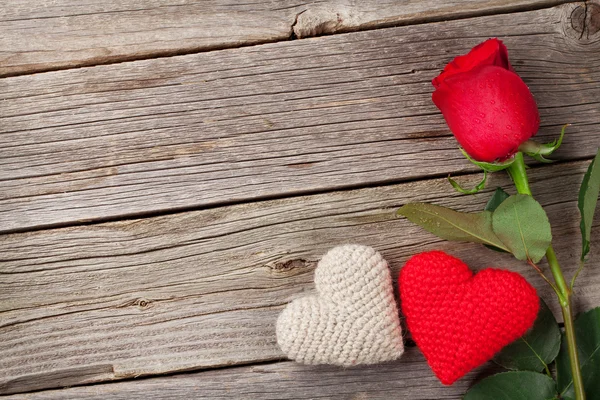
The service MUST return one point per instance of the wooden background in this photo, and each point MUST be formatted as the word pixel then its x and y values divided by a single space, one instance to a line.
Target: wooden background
pixel 171 173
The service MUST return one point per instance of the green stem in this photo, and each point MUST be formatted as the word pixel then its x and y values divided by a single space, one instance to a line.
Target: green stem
pixel 519 176
pixel 573 355
pixel 564 291
pixel 518 173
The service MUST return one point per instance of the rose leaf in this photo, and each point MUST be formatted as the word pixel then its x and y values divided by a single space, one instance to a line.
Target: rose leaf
pixel 521 224
pixel 497 198
pixel 588 197
pixel 453 225
pixel 537 348
pixel 514 385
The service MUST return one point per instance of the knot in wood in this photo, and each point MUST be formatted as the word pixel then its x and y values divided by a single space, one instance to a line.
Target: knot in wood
pixel 585 20
pixel 290 267
pixel 142 303
pixel 324 20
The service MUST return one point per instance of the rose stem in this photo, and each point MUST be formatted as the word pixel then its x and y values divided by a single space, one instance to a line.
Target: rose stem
pixel 519 176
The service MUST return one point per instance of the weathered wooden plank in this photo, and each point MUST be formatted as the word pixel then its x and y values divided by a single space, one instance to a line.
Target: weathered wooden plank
pixel 253 123
pixel 407 378
pixel 38 35
pixel 203 289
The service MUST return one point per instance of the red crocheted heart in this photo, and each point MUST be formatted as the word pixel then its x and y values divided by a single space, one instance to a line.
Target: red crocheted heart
pixel 460 320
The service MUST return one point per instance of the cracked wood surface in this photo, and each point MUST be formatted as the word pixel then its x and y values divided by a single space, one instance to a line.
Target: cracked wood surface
pixel 40 35
pixel 202 289
pixel 296 117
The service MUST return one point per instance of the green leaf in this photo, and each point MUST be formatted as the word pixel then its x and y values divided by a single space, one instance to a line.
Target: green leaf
pixel 480 186
pixel 521 224
pixel 587 334
pixel 489 167
pixel 516 385
pixel 497 198
pixel 537 348
pixel 453 225
pixel 588 197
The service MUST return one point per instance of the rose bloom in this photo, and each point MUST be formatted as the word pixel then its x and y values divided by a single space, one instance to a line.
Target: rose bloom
pixel 487 106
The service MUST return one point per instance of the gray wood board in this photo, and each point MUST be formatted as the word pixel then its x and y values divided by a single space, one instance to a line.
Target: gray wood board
pixel 202 289
pixel 38 35
pixel 268 121
pixel 407 378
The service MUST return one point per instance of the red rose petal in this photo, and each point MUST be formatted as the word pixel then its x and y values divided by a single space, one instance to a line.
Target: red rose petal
pixel 490 52
pixel 489 110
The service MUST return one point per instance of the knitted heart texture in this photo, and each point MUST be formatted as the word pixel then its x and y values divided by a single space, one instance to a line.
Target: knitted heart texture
pixel 460 320
pixel 353 318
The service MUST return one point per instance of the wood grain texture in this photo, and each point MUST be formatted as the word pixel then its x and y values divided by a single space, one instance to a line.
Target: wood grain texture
pixel 408 378
pixel 203 289
pixel 38 35
pixel 299 117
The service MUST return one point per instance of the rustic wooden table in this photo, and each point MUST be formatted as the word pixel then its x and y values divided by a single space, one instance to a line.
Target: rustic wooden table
pixel 172 170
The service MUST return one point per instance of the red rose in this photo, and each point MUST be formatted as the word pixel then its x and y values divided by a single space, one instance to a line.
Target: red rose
pixel 487 106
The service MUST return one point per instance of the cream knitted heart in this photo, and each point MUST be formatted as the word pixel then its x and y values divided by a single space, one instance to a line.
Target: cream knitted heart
pixel 352 320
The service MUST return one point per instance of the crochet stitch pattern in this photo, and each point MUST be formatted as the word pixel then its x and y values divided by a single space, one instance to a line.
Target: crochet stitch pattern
pixel 460 320
pixel 352 320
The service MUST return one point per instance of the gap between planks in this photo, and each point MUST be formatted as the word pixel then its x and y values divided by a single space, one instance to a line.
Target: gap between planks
pixel 459 176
